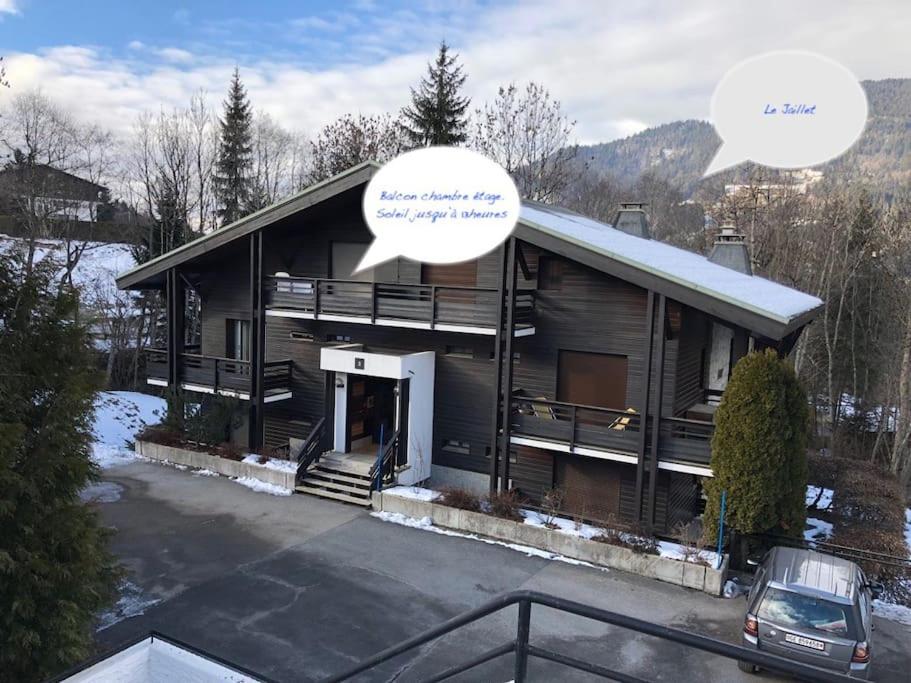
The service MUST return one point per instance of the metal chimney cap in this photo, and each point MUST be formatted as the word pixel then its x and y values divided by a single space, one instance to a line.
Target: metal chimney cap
pixel 729 233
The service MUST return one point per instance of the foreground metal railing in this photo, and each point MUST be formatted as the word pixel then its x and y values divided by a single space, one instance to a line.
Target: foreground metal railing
pixel 522 649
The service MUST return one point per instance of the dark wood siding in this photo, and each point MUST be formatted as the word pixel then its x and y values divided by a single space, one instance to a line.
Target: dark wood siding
pixel 451 274
pixel 695 329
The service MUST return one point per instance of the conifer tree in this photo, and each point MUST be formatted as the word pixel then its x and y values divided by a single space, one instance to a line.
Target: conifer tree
pixel 233 168
pixel 759 450
pixel 55 569
pixel 438 112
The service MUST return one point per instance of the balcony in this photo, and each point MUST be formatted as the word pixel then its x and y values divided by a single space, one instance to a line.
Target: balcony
pixel 223 376
pixel 684 445
pixel 470 310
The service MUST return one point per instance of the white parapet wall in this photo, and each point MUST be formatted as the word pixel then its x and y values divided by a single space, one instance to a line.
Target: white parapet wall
pixel 214 463
pixel 678 572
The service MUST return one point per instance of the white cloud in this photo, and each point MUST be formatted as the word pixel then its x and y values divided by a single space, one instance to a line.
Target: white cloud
pixel 136 45
pixel 615 67
pixel 9 7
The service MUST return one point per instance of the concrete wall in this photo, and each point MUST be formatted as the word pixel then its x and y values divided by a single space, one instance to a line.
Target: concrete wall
pixel 687 574
pixel 205 461
pixel 475 482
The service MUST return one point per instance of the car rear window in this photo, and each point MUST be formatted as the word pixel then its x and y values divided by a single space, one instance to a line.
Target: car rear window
pixel 786 608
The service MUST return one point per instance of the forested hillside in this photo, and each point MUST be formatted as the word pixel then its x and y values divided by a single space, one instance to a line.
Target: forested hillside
pixel 680 151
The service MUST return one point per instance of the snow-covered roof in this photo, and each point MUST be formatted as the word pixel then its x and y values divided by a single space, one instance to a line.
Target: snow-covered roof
pixel 156 659
pixel 691 270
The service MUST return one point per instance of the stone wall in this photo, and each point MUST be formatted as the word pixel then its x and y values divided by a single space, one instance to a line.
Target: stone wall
pixel 217 464
pixel 688 574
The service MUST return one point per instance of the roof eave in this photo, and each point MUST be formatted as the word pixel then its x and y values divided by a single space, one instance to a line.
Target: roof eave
pixel 139 277
pixel 770 326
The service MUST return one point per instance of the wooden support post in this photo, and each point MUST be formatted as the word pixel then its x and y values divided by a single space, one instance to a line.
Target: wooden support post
pixel 643 404
pixel 257 342
pixel 175 305
pixel 498 369
pixel 510 334
pixel 656 411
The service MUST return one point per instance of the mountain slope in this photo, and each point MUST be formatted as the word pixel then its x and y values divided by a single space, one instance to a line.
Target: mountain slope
pixel 679 152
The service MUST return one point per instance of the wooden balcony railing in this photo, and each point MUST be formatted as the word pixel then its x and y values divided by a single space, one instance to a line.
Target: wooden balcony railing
pixel 430 305
pixel 568 424
pixel 687 441
pixel 225 375
pixel 576 425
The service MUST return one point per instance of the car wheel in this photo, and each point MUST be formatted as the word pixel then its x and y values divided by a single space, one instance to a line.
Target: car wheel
pixel 747 667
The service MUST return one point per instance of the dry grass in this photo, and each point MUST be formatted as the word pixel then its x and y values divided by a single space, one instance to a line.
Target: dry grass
pixel 505 504
pixel 460 499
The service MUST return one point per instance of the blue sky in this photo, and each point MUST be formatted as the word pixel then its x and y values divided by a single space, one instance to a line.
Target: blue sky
pixel 616 66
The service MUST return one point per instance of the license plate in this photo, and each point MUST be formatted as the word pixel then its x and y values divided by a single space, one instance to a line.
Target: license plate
pixel 805 642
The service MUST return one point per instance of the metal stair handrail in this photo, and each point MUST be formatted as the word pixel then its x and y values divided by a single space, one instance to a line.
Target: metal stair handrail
pixel 310 450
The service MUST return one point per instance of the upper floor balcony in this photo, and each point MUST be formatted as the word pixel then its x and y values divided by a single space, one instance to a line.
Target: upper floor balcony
pixel 471 310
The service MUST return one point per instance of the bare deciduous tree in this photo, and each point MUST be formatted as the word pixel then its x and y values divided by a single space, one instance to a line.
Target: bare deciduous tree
pixel 528 134
pixel 351 140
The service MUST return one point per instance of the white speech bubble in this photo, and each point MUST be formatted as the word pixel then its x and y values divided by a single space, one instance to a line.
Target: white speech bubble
pixel 787 109
pixel 438 205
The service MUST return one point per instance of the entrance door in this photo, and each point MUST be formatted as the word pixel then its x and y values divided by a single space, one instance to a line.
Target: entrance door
pixel 592 379
pixel 371 410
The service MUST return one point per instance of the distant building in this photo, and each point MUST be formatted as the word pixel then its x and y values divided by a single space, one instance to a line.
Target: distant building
pixel 50 193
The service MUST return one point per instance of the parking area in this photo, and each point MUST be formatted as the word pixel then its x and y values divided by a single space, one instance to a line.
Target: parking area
pixel 297 588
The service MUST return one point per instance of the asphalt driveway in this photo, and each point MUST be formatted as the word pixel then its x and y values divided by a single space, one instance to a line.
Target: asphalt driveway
pixel 297 588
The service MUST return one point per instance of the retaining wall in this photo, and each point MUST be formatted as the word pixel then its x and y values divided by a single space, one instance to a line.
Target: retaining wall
pixel 215 463
pixel 678 572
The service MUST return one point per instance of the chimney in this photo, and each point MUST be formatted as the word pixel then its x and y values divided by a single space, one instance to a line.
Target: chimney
pixel 730 250
pixel 632 220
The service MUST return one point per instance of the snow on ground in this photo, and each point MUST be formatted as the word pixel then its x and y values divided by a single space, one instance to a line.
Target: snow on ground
pixel 566 526
pixel 263 487
pixel 272 463
pixel 824 501
pixel 101 492
pixel 99 264
pixel 413 492
pixel 818 529
pixel 206 473
pixel 425 524
pixel 119 416
pixel 897 613
pixel 131 603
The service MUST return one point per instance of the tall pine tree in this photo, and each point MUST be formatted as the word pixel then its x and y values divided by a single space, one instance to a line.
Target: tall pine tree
pixel 438 112
pixel 55 568
pixel 233 169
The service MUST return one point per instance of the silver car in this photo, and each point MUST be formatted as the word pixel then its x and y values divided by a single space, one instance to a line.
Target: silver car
pixel 813 608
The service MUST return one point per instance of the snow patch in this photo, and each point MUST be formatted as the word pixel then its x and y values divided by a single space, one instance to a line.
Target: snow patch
pixel 101 492
pixel 887 610
pixel 206 473
pixel 413 492
pixel 119 417
pixel 426 524
pixel 825 500
pixel 263 487
pixel 131 603
pixel 818 530
pixel 272 463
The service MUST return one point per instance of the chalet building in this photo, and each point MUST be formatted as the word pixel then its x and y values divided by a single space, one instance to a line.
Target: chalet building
pixel 579 355
pixel 49 192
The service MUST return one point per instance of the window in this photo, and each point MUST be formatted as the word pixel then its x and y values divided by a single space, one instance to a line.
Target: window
pixel 237 339
pixel 338 338
pixel 592 379
pixel 550 272
pixel 300 336
pixel 457 447
pixel 789 609
pixel 460 351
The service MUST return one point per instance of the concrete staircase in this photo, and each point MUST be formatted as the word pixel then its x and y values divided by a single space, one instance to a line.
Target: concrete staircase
pixel 339 477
